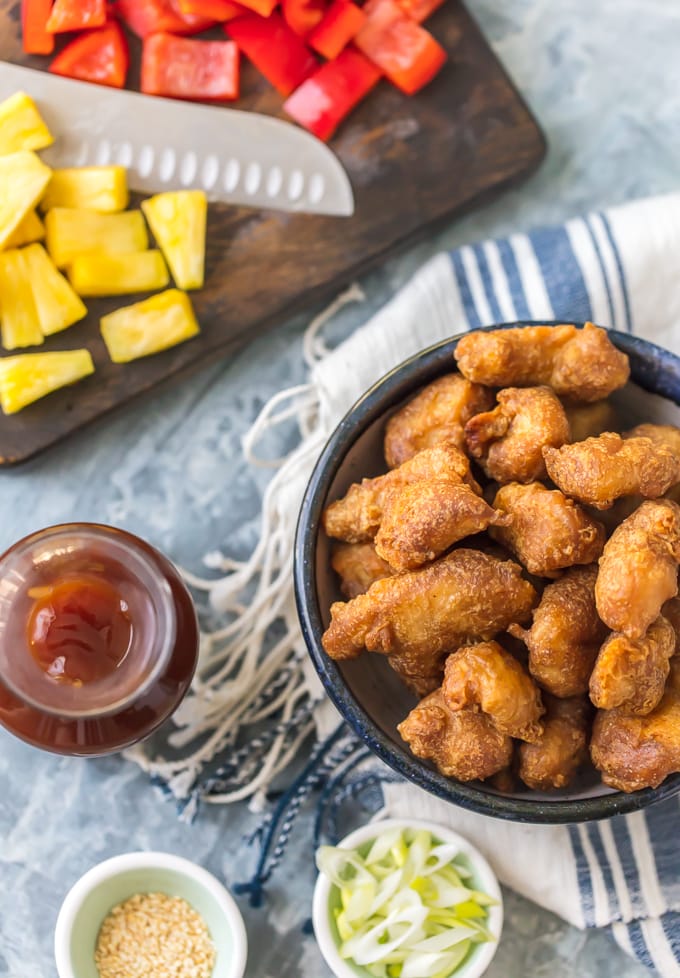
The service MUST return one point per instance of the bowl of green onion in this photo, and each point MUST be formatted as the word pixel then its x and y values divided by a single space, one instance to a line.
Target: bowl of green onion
pixel 406 899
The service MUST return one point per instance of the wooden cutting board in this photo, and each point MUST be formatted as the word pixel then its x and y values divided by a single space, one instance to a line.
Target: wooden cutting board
pixel 412 161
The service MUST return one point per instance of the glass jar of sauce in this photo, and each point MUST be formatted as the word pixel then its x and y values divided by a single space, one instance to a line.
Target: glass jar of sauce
pixel 98 639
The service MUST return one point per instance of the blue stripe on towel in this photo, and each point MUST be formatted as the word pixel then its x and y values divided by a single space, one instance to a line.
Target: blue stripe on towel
pixel 485 273
pixel 585 883
pixel 561 272
pixel 514 280
pixel 662 821
pixel 471 314
pixel 603 269
pixel 595 837
pixel 639 945
pixel 670 922
pixel 619 266
pixel 631 874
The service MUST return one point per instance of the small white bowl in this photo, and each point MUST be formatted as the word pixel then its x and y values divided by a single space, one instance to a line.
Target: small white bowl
pixel 484 879
pixel 109 883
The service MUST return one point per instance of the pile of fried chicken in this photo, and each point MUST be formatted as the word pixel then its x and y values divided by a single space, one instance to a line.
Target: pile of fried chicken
pixel 535 616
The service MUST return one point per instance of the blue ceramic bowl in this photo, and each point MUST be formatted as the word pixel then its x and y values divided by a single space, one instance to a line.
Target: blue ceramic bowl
pixel 366 690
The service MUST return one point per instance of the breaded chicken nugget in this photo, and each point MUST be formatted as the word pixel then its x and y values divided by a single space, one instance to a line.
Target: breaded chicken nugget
pixel 581 365
pixel 418 617
pixel 671 612
pixel 553 760
pixel 666 435
pixel 639 568
pixel 358 566
pixel 435 416
pixel 566 634
pixel 356 517
pixel 508 441
pixel 631 673
pixel 423 520
pixel 590 420
pixel 548 532
pixel 462 744
pixel 634 752
pixel 599 470
pixel 486 677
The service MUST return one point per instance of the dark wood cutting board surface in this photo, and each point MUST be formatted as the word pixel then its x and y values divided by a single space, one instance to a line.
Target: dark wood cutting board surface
pixel 412 163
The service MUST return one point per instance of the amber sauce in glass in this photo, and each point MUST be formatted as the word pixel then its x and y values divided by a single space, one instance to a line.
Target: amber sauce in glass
pixel 98 639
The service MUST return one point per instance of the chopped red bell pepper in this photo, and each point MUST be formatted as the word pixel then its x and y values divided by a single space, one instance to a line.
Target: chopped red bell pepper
pixel 323 100
pixel 406 52
pixel 275 50
pixel 342 21
pixel 302 16
pixel 34 16
pixel 419 10
pixel 181 67
pixel 145 17
pixel 76 15
pixel 262 7
pixel 100 56
pixel 217 10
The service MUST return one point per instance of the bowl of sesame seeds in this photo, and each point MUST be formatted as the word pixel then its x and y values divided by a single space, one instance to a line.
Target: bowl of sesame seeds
pixel 149 915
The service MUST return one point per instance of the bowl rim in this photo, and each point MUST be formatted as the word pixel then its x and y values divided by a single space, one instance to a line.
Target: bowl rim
pixel 323 887
pixel 403 380
pixel 116 866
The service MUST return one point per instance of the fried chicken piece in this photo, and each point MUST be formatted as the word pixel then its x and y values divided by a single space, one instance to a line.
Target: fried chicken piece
pixel 634 752
pixel 631 673
pixel 553 760
pixel 639 568
pixel 666 435
pixel 462 744
pixel 580 365
pixel 487 678
pixel 423 520
pixel 508 441
pixel 418 617
pixel 435 416
pixel 590 420
pixel 548 531
pixel 671 612
pixel 599 470
pixel 566 634
pixel 358 566
pixel 356 517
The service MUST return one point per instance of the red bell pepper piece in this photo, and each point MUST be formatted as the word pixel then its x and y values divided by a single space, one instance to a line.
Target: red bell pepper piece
pixel 34 16
pixel 322 102
pixel 100 56
pixel 302 16
pixel 217 10
pixel 262 7
pixel 275 50
pixel 181 67
pixel 145 17
pixel 76 15
pixel 406 52
pixel 342 21
pixel 419 10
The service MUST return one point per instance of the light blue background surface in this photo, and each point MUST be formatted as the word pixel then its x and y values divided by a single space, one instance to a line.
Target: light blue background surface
pixel 603 76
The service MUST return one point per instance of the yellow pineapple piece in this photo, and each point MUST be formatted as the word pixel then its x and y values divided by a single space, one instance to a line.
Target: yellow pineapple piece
pixel 31 229
pixel 20 323
pixel 72 232
pixel 30 376
pixel 23 178
pixel 90 188
pixel 178 222
pixel 150 326
pixel 21 125
pixel 118 274
pixel 56 303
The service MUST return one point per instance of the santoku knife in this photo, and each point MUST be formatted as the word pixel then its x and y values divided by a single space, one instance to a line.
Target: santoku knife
pixel 239 157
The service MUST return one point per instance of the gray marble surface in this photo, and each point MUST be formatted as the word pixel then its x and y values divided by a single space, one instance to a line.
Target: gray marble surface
pixel 604 79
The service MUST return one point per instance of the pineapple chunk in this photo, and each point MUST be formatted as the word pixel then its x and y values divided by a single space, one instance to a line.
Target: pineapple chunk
pixel 150 326
pixel 178 222
pixel 56 303
pixel 20 323
pixel 90 188
pixel 23 179
pixel 31 229
pixel 22 126
pixel 73 232
pixel 26 378
pixel 118 274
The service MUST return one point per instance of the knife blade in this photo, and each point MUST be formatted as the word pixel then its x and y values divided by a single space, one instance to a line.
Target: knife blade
pixel 243 158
